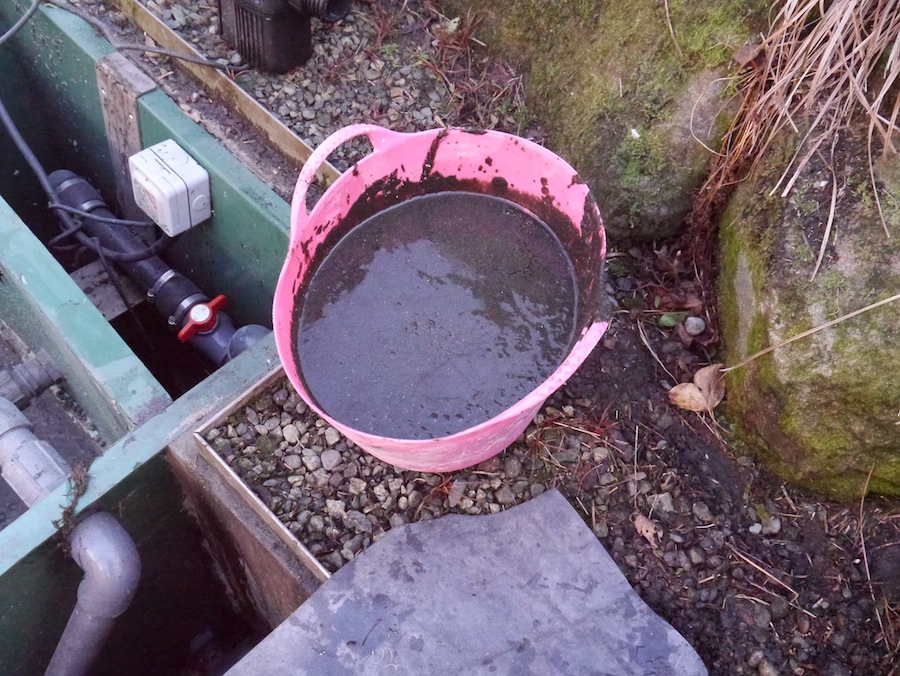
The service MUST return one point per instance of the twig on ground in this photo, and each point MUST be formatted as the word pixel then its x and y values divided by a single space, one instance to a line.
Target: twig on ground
pixel 865 556
pixel 646 343
pixel 748 559
pixel 672 30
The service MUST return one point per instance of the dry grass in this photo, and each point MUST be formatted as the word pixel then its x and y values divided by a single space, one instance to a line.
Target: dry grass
pixel 821 64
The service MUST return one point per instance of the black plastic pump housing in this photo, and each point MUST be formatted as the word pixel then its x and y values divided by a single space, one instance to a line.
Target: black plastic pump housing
pixel 275 35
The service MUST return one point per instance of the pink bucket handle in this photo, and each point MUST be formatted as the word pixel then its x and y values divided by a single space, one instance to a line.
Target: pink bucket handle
pixel 379 136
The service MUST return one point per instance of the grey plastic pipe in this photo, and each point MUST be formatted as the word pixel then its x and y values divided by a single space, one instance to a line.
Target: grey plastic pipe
pixel 100 545
pixel 22 383
pixel 112 569
pixel 31 467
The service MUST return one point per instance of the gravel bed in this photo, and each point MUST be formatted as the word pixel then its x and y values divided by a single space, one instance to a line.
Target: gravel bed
pixel 423 77
pixel 338 499
pixel 760 578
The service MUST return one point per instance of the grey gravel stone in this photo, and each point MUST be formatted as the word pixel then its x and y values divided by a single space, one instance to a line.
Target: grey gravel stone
pixel 761 616
pixel 694 326
pixel 512 467
pixel 312 462
pixel 358 521
pixel 293 461
pixel 332 436
pixel 330 459
pixel 702 512
pixel 779 608
pixel 291 434
pixel 766 668
pixel 504 495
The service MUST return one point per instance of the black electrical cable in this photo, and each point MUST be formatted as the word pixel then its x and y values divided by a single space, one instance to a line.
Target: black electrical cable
pixel 21 22
pixel 136 47
pixel 99 219
pixel 117 284
pixel 71 226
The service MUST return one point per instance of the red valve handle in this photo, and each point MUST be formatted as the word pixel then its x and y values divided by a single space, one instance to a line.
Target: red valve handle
pixel 201 318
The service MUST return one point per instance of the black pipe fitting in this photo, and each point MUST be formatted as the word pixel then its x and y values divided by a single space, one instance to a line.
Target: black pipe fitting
pixel 176 297
pixel 276 35
pixel 165 287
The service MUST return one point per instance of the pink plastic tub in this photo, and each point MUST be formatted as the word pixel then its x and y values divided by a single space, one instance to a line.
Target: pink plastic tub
pixel 402 166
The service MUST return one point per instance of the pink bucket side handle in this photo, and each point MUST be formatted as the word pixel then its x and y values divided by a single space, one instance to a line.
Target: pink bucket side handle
pixel 379 136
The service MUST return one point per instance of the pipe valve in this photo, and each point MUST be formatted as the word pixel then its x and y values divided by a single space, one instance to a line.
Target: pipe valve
pixel 201 318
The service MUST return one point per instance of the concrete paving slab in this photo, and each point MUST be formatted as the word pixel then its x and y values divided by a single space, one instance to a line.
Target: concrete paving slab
pixel 526 591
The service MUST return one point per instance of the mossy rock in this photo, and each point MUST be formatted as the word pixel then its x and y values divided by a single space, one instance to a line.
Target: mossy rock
pixel 633 109
pixel 824 410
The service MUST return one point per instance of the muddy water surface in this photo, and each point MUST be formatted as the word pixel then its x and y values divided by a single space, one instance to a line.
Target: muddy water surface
pixel 436 315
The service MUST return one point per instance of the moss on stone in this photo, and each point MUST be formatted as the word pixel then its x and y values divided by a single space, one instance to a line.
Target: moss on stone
pixel 596 70
pixel 821 411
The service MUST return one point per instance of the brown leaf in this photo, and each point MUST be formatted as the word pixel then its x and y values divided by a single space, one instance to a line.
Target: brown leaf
pixel 712 383
pixel 647 528
pixel 702 395
pixel 687 396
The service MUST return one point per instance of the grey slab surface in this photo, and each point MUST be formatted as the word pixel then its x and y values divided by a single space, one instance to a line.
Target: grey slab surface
pixel 526 591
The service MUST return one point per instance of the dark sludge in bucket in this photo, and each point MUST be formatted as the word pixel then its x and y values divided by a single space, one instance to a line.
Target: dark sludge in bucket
pixel 435 315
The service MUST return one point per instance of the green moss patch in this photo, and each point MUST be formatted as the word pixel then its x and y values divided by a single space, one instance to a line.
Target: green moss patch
pixel 823 410
pixel 600 73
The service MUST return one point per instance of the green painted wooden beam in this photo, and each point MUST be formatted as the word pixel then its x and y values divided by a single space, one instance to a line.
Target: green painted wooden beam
pixel 138 446
pixel 41 303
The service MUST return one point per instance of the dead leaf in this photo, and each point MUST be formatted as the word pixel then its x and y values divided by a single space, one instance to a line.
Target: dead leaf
pixel 647 528
pixel 456 492
pixel 702 395
pixel 687 396
pixel 711 382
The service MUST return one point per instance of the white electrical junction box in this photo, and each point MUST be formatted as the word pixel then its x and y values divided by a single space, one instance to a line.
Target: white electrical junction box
pixel 170 186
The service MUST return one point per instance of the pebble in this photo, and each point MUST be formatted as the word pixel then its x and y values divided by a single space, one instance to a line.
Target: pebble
pixel 771 525
pixel 697 555
pixel 312 462
pixel 512 467
pixel 293 461
pixel 702 512
pixel 662 503
pixel 332 436
pixel 779 608
pixel 504 495
pixel 694 326
pixel 761 616
pixel 358 520
pixel 291 434
pixel 336 509
pixel 756 658
pixel 766 668
pixel 330 459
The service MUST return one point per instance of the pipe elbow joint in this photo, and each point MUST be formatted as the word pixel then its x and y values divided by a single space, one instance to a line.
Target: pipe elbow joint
pixel 112 566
